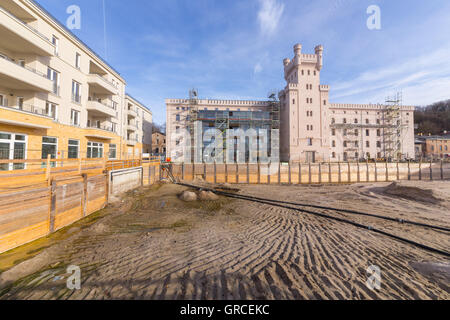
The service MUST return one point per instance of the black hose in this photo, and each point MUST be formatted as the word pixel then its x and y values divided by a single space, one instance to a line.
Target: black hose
pixel 274 203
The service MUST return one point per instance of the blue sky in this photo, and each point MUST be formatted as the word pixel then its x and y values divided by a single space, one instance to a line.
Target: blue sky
pixel 234 49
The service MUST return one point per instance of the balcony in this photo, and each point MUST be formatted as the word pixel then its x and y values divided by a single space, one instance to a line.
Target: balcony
pixel 98 108
pixel 131 126
pixel 20 77
pixel 100 85
pixel 132 112
pixel 98 131
pixel 131 141
pixel 18 36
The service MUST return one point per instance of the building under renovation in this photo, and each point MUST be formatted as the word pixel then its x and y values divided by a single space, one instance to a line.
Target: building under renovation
pixel 310 127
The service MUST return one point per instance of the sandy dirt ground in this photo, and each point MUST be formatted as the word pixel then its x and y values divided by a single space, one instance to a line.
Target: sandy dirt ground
pixel 152 245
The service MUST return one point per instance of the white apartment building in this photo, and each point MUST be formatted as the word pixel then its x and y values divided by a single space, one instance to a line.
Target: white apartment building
pixel 57 96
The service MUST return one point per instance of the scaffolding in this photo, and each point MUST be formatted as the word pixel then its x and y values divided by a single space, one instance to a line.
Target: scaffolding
pixel 389 131
pixel 224 120
pixel 392 131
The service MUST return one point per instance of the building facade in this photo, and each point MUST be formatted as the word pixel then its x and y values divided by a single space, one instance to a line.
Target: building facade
pixel 158 144
pixel 57 96
pixel 310 127
pixel 138 126
pixel 434 147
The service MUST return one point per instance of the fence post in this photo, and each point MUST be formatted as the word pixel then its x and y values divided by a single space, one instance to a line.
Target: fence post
pixel 52 206
pixel 320 173
pixel 409 169
pixel 387 171
pixel 358 173
pixel 349 174
pixel 248 174
pixel 420 169
pixel 398 172
pixel 226 172
pixel 442 171
pixel 309 173
pixel 279 172
pixel 289 170
pixel 204 170
pixel 215 172
pixel 339 172
pixel 193 171
pixel 367 170
pixel 299 173
pixel 268 173
pixel 237 172
pixel 329 171
pixel 182 171
pixel 376 171
pixel 259 172
pixel 48 170
pixel 431 169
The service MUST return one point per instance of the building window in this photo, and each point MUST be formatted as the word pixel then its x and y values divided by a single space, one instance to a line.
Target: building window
pixel 314 72
pixel 76 92
pixel 356 144
pixel 344 120
pixel 54 76
pixel 293 102
pixel 75 117
pixel 77 60
pixel 95 150
pixel 356 120
pixel 367 144
pixel 367 121
pixel 309 141
pixel 73 148
pixel 378 132
pixel 333 132
pixel 367 132
pixel 356 132
pixel 303 72
pixel 378 144
pixel 345 144
pixel 112 151
pixel 333 121
pixel 177 117
pixel 55 42
pixel 309 72
pixel 51 110
pixel 333 144
pixel 333 154
pixel 307 127
pixel 345 132
pixel 378 121
pixel 12 146
pixel 49 147
pixel 324 102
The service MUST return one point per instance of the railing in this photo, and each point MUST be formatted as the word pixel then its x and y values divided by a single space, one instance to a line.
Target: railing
pixel 101 127
pixel 101 102
pixel 26 25
pixel 25 67
pixel 76 98
pixel 30 109
pixel 105 80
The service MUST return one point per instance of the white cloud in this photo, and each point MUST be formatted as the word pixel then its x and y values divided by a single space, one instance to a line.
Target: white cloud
pixel 258 68
pixel 423 80
pixel 269 15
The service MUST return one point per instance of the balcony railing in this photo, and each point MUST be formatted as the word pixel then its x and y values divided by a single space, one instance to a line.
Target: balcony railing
pixel 105 80
pixel 76 98
pixel 29 109
pixel 101 127
pixel 26 25
pixel 101 102
pixel 24 66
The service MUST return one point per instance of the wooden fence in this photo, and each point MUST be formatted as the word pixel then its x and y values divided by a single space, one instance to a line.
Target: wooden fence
pixel 31 211
pixel 312 173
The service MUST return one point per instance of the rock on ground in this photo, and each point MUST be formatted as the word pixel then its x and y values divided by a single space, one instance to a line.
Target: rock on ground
pixel 188 196
pixel 207 195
